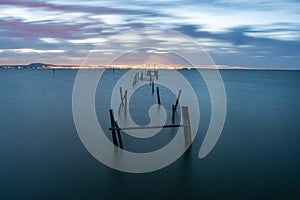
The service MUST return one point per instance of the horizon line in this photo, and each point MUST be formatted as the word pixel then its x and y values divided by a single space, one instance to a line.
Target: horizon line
pixel 140 66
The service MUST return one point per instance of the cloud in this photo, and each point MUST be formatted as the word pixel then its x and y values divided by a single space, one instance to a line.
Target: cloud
pixel 94 41
pixel 36 30
pixel 277 35
pixel 26 51
pixel 248 50
pixel 50 40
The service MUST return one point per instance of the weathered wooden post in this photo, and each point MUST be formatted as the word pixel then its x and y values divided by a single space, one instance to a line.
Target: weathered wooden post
pixel 152 84
pixel 174 107
pixel 186 126
pixel 173 113
pixel 119 135
pixel 151 79
pixel 177 100
pixel 158 97
pixel 123 103
pixel 113 127
pixel 136 77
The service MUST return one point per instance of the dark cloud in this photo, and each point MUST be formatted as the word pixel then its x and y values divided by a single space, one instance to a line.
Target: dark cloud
pixel 276 52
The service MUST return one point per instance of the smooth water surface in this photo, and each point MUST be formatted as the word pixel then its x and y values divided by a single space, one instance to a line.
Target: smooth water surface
pixel 257 155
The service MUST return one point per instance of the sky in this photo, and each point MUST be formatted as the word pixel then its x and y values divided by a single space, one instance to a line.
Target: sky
pixel 254 34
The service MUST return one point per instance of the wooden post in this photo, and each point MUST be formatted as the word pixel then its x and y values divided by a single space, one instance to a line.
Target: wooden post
pixel 174 107
pixel 173 113
pixel 176 104
pixel 121 95
pixel 113 126
pixel 119 135
pixel 158 97
pixel 186 126
pixel 152 84
pixel 123 100
pixel 151 80
pixel 136 77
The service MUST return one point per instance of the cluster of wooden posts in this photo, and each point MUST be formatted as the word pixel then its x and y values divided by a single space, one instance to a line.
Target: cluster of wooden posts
pixel 150 75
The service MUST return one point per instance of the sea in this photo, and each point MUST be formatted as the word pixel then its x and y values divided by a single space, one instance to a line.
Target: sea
pixel 257 155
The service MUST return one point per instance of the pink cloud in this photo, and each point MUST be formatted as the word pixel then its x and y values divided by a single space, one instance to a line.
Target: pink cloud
pixel 34 4
pixel 31 30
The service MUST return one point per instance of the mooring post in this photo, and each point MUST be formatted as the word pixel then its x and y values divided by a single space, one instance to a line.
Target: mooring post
pixel 142 76
pixel 152 84
pixel 113 126
pixel 177 100
pixel 135 80
pixel 119 135
pixel 158 97
pixel 123 100
pixel 121 94
pixel 173 113
pixel 174 107
pixel 151 81
pixel 125 95
pixel 186 125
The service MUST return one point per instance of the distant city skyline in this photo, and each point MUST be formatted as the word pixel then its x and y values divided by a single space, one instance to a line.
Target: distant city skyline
pixel 258 34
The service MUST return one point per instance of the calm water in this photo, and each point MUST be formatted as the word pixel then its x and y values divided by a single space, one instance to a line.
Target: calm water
pixel 257 156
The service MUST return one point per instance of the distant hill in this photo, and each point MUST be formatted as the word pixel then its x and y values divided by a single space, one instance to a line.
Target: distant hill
pixel 37 65
pixel 30 66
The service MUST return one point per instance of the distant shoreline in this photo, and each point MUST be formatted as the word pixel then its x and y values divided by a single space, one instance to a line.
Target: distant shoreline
pixel 141 67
